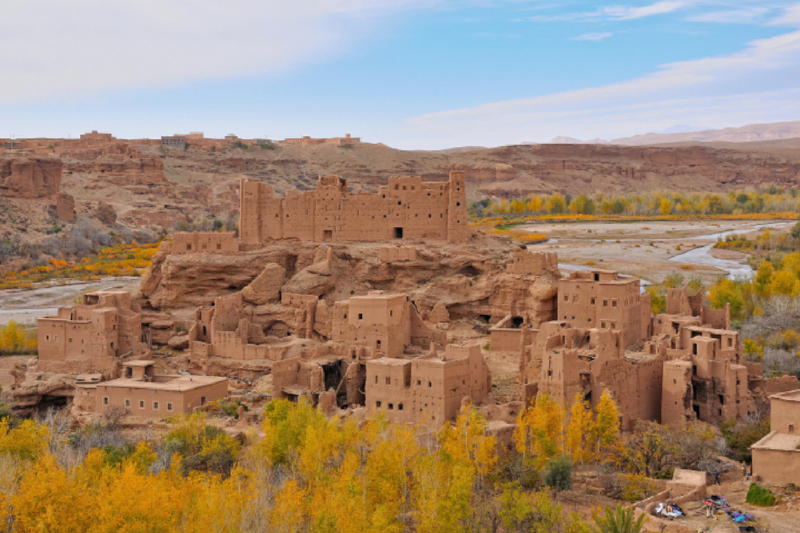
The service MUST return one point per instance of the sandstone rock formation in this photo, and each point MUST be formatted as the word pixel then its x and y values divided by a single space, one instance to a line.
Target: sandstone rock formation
pixel 29 177
pixel 106 214
pixel 267 286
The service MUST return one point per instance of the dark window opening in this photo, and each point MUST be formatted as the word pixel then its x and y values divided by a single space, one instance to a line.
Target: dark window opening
pixel 327 235
pixel 398 233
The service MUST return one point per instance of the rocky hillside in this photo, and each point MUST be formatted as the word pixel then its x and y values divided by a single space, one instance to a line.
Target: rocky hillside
pixel 121 185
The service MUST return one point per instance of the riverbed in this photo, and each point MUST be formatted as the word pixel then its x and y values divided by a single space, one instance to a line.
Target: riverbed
pixel 649 250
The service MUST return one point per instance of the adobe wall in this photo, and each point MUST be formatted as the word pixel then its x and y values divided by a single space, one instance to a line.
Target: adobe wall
pixel 29 176
pixel 779 467
pixel 406 208
pixel 381 322
pixel 392 254
pixel 527 263
pixel 207 243
pixel 784 413
pixel 182 401
pixel 98 331
pixel 676 396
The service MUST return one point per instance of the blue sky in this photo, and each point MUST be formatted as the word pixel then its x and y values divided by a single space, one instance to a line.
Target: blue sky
pixel 409 73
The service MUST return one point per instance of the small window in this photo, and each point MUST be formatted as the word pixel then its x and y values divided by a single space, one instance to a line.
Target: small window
pixel 105 400
pixel 378 404
pixel 429 384
pixel 613 325
pixel 155 406
pixel 594 300
pixel 188 247
pixel 202 400
pixel 219 247
pixel 376 380
pixel 400 407
pixel 127 403
pixel 360 316
pixel 391 406
pixel 388 381
pixel 566 297
pixel 141 404
pixel 605 303
pixel 419 382
pixel 603 325
pixel 613 303
pixel 169 406
pixel 47 337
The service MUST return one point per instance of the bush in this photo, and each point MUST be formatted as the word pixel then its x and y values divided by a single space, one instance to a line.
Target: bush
pixel 53 230
pixel 617 521
pixel 558 473
pixel 760 496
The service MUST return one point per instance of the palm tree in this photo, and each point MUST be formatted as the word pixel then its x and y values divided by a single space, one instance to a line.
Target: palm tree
pixel 618 521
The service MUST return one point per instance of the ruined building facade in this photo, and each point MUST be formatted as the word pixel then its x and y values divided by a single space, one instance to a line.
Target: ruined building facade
pixel 667 368
pixel 407 208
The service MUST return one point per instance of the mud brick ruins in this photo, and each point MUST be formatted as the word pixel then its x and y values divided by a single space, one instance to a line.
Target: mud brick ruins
pixel 384 303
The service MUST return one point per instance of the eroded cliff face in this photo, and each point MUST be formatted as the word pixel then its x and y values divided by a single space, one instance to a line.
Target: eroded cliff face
pixel 470 279
pixel 29 176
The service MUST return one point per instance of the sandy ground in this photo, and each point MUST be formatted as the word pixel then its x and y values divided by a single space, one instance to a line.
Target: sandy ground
pixel 641 249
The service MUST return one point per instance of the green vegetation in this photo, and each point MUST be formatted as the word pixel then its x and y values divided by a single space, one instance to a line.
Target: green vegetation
pixel 53 230
pixel 761 496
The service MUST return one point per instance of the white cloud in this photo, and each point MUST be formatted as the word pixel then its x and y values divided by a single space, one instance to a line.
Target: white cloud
pixel 740 16
pixel 51 49
pixel 631 13
pixel 790 17
pixel 592 36
pixel 758 84
pixel 618 12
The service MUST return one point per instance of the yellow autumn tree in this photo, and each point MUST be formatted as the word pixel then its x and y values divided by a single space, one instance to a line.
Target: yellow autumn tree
pixel 540 431
pixel 605 430
pixel 580 427
pixel 12 338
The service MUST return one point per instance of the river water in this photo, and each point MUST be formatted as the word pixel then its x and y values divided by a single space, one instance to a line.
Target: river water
pixel 702 255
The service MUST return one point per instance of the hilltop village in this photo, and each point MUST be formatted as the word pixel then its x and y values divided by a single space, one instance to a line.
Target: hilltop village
pixel 388 303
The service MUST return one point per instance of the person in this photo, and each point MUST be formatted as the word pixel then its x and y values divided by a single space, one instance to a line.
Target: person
pixel 716 479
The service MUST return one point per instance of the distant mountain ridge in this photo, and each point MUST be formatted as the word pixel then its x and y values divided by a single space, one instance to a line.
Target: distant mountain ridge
pixel 750 133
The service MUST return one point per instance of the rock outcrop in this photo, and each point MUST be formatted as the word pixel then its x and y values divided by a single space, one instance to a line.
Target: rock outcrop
pixel 29 177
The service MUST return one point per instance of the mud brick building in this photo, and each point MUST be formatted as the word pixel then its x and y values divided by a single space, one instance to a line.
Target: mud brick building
pixel 667 368
pixel 407 208
pixel 91 336
pixel 776 457
pixel 143 392
pixel 427 390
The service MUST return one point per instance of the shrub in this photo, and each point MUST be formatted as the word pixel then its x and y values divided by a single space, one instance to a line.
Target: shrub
pixel 53 230
pixel 558 473
pixel 217 225
pixel 619 520
pixel 636 487
pixel 760 496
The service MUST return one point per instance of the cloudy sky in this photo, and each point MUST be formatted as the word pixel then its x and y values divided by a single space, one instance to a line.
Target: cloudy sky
pixel 409 73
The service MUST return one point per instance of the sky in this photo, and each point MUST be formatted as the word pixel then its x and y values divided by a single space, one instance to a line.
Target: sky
pixel 412 74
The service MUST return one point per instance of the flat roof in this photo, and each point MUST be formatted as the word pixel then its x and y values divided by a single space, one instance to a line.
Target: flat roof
pixel 712 330
pixel 139 363
pixel 390 361
pixel 792 396
pixel 179 384
pixel 778 441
